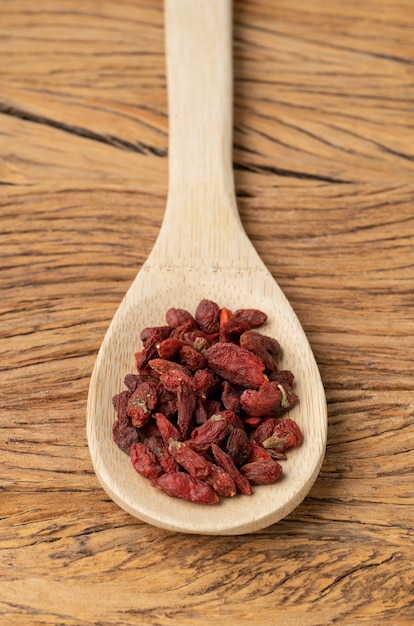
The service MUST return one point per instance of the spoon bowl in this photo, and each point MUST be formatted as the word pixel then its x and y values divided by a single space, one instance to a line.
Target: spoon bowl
pixel 201 252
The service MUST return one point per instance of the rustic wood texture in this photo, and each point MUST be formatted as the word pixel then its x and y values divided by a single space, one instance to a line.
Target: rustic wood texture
pixel 323 153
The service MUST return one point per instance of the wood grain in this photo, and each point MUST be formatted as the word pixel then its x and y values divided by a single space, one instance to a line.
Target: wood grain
pixel 324 166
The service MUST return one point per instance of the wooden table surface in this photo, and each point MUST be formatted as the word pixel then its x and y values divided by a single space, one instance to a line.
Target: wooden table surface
pixel 324 172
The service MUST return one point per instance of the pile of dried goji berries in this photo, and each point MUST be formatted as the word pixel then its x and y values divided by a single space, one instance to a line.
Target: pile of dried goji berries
pixel 204 415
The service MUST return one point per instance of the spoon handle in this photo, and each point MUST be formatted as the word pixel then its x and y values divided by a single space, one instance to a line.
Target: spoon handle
pixel 201 197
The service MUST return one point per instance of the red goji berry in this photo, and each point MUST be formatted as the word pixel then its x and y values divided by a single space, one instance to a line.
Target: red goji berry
pixel 159 332
pixel 205 382
pixel 214 430
pixel 230 397
pixel 124 435
pixel 262 472
pixel 286 434
pixel 180 331
pixel 191 358
pixel 195 463
pixel 263 401
pixel 142 402
pixel 167 429
pixel 265 429
pixel 265 347
pixel 182 485
pixel 258 453
pixel 163 366
pixel 120 404
pixel 221 481
pixel 178 317
pixel 164 458
pixel 169 348
pixel 231 330
pixel 225 461
pixel 207 316
pixel 282 376
pixel 144 461
pixel 238 446
pixel 253 317
pixel 236 365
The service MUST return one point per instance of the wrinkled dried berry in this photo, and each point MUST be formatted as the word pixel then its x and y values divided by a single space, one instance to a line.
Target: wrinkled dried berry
pixel 261 402
pixel 145 461
pixel 207 316
pixel 214 430
pixel 225 461
pixel 262 472
pixel 142 402
pixel 235 364
pixel 124 435
pixel 195 464
pixel 192 358
pixel 178 317
pixel 182 485
pixel 265 347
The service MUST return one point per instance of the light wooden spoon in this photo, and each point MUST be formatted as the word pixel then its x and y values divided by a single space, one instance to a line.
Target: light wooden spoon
pixel 202 251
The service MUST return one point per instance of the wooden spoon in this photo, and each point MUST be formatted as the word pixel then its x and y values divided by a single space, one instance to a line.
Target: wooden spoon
pixel 202 251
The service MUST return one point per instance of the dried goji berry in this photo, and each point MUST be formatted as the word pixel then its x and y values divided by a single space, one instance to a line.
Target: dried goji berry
pixel 235 364
pixel 144 461
pixel 167 429
pixel 231 418
pixel 205 382
pixel 182 485
pixel 197 339
pixel 131 381
pixel 191 358
pixel 165 459
pixel 163 366
pixel 214 430
pixel 120 404
pixel 263 401
pixel 180 331
pixel 159 332
pixel 282 376
pixel 230 397
pixel 178 317
pixel 169 348
pixel 213 407
pixel 286 434
pixel 195 464
pixel 225 315
pixel 167 402
pixel 173 378
pixel 142 402
pixel 262 472
pixel 200 411
pixel 238 446
pixel 221 481
pixel 253 317
pixel 265 347
pixel 124 435
pixel 258 453
pixel 289 397
pixel 265 429
pixel 186 403
pixel 148 352
pixel 253 422
pixel 232 329
pixel 207 316
pixel 225 461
